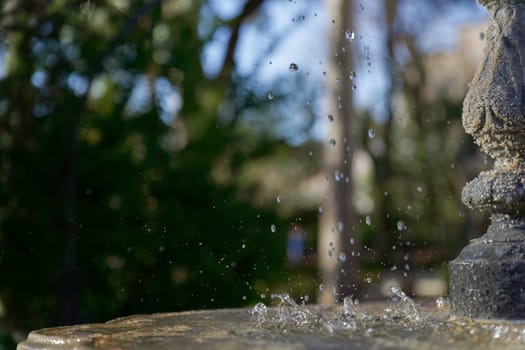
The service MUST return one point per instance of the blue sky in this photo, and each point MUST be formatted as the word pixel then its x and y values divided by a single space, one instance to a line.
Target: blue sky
pixel 298 32
pixel 301 29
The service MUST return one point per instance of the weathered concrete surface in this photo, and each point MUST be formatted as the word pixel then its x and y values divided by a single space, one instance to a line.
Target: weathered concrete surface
pixel 235 329
pixel 487 279
pixel 229 329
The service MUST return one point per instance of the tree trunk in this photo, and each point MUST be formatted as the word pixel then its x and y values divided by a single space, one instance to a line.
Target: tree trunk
pixel 338 245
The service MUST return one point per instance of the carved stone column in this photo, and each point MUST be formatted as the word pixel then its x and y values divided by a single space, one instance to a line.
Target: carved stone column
pixel 487 279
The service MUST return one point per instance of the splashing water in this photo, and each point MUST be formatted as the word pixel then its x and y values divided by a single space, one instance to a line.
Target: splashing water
pixel 405 309
pixel 402 310
pixel 401 325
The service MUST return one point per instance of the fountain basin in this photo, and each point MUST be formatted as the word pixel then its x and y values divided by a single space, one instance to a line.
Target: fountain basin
pixel 378 325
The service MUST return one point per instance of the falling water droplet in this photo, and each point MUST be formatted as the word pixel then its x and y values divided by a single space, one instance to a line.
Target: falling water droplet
pixel 368 220
pixel 270 95
pixel 352 75
pixel 293 67
pixel 273 228
pixel 342 257
pixel 338 175
pixel 369 280
pixel 401 225
pixel 349 35
pixel 440 302
pixel 371 133
pixel 330 117
pixel 338 80
pixel 419 189
pixel 331 143
pixel 279 199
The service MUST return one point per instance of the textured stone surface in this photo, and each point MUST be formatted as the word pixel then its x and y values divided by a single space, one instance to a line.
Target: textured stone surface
pixel 235 330
pixel 494 108
pixel 487 279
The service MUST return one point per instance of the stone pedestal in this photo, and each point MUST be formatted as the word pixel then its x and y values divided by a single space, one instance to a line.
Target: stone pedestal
pixel 487 279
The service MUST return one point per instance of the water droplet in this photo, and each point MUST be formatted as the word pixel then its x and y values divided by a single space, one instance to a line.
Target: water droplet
pixel 273 228
pixel 369 280
pixel 279 199
pixel 321 287
pixel 342 257
pixel 401 225
pixel 270 95
pixel 338 175
pixel 331 143
pixel 293 67
pixel 371 133
pixel 440 302
pixel 338 80
pixel 349 35
pixel 368 220
pixel 352 75
pixel 352 241
pixel 354 87
pixel 340 226
pixel 419 189
pixel 321 210
pixel 330 118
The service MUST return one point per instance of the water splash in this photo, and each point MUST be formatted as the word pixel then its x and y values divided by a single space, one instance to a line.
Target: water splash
pixel 405 308
pixel 259 313
pixel 402 324
pixel 402 311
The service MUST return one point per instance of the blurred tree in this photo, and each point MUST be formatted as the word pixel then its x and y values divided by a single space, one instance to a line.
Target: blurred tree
pixel 119 190
pixel 418 221
pixel 338 245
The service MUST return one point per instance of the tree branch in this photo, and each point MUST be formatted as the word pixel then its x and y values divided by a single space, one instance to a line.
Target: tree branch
pixel 250 8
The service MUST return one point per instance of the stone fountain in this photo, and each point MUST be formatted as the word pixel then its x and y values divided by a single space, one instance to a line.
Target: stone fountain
pixel 487 280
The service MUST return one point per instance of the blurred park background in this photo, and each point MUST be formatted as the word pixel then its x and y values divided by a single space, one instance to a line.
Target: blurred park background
pixel 183 154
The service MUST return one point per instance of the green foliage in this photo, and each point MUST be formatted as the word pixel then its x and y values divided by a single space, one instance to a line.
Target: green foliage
pixel 109 205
